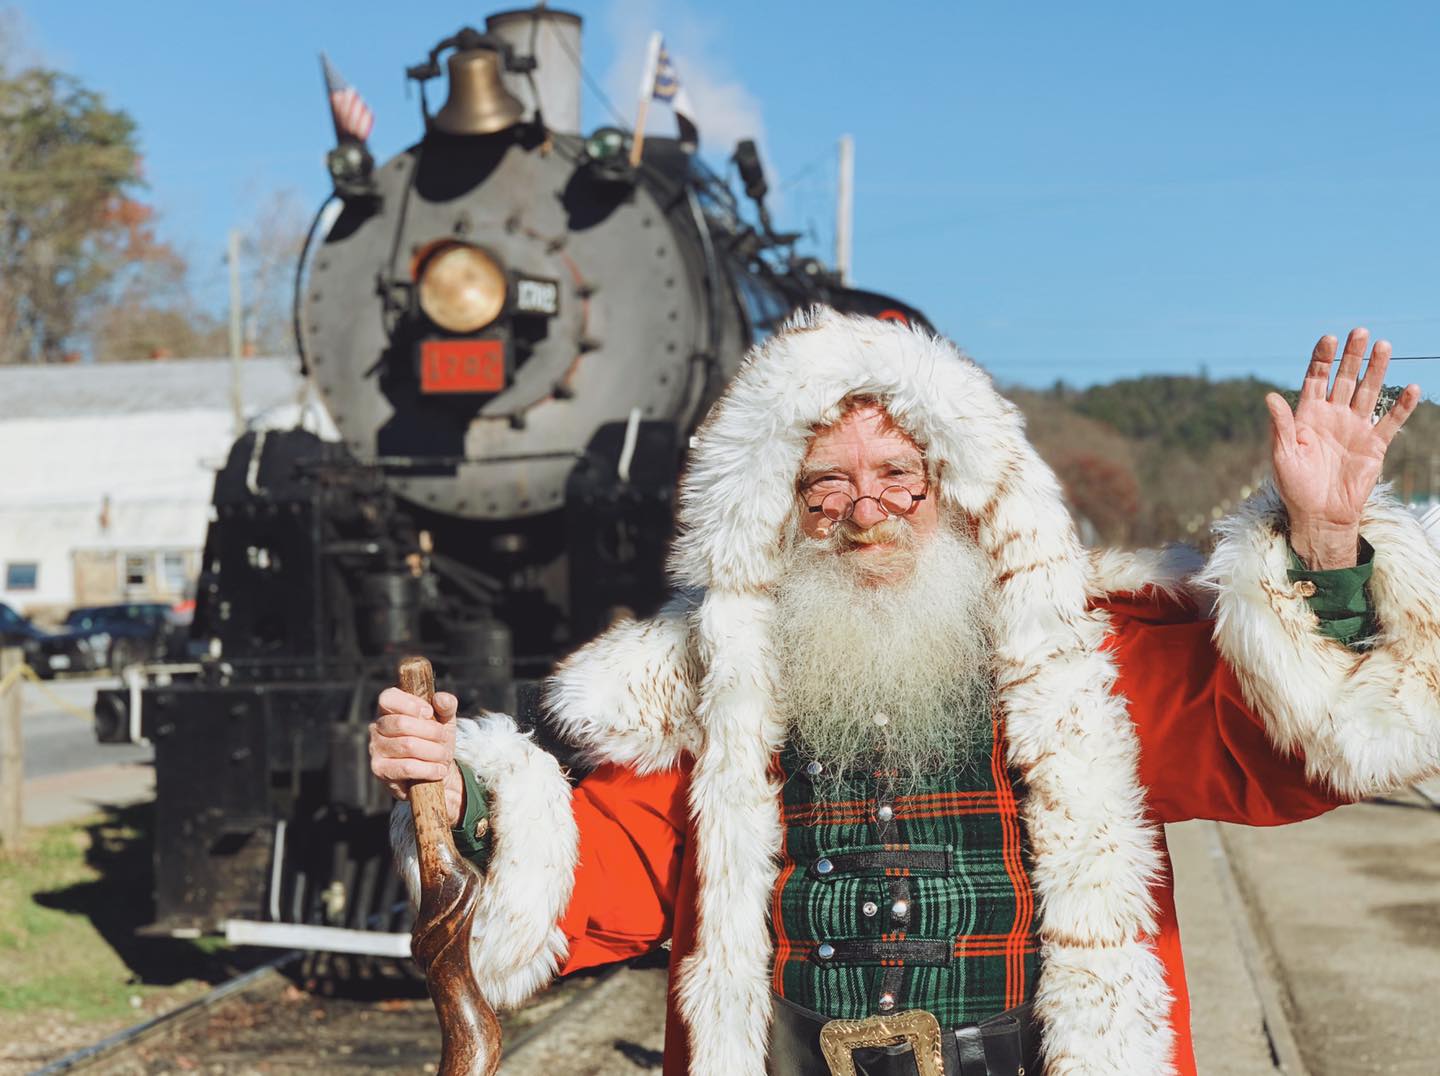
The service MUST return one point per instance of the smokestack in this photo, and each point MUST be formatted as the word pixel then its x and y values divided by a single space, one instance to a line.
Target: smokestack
pixel 553 38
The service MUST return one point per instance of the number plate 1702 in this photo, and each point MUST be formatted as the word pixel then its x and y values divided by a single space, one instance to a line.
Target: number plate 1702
pixel 462 366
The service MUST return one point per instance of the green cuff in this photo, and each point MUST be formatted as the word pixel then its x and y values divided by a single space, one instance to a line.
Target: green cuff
pixel 472 835
pixel 1340 599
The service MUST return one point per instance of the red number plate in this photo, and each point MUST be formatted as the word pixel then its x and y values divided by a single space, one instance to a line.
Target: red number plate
pixel 462 366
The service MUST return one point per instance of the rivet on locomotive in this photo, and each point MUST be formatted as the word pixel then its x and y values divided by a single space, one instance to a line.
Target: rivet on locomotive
pixel 515 331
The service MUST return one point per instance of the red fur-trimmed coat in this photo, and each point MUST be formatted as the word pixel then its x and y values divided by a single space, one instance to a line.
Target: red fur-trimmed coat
pixel 1128 701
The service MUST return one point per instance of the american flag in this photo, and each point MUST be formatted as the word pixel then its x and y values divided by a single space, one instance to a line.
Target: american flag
pixel 352 116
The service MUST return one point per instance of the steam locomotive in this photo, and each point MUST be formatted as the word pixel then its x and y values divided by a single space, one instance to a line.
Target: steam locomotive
pixel 515 329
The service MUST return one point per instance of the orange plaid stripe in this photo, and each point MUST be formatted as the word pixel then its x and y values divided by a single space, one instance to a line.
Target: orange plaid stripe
pixel 1019 941
pixel 992 945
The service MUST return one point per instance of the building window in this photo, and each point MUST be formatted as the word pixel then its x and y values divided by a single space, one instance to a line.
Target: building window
pixel 22 575
pixel 137 571
pixel 172 573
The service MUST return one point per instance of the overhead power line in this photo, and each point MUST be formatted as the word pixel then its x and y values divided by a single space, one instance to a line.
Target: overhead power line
pixel 1061 359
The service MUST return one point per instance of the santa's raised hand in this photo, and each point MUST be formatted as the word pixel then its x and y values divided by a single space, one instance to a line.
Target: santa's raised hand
pixel 1327 454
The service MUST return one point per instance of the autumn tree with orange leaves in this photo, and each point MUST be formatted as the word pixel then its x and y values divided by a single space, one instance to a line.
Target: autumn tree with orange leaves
pixel 69 223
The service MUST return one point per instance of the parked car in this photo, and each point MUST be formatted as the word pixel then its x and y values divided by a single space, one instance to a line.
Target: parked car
pixel 129 633
pixel 47 652
pixel 16 630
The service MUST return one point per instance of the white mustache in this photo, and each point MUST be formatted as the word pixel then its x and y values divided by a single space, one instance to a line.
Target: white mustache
pixel 848 536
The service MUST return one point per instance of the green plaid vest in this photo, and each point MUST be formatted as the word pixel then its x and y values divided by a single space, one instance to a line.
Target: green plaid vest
pixel 888 902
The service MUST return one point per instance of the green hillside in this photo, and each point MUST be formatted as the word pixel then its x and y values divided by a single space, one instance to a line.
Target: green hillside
pixel 1150 460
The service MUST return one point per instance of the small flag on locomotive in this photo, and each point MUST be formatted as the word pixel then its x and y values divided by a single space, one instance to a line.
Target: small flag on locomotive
pixel 661 82
pixel 667 88
pixel 352 116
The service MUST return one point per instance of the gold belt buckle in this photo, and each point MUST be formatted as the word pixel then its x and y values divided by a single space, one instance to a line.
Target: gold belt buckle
pixel 839 1038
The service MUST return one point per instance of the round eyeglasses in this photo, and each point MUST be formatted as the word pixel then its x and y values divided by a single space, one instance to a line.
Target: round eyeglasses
pixel 893 501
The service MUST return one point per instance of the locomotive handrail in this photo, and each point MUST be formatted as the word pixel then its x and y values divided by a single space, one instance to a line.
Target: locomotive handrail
pixel 432 461
pixel 468 38
pixel 299 289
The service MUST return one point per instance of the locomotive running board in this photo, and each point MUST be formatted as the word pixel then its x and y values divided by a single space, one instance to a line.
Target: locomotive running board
pixel 322 939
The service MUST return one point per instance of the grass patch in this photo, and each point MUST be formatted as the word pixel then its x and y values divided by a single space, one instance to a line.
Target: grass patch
pixel 71 897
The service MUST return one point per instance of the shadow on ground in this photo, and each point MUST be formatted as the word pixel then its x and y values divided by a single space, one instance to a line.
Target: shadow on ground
pixel 121 901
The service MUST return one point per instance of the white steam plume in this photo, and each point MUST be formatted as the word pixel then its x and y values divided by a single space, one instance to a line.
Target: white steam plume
pixel 725 111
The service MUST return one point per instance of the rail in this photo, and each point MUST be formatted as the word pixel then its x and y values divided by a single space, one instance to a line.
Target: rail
pixel 132 1036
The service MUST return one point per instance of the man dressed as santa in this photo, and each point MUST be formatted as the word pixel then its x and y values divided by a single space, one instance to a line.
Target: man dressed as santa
pixel 891 769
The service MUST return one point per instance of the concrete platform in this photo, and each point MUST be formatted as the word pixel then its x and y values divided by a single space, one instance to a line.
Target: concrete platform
pixel 69 775
pixel 1227 1016
pixel 64 797
pixel 1350 905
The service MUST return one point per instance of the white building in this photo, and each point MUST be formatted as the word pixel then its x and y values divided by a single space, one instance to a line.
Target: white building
pixel 106 472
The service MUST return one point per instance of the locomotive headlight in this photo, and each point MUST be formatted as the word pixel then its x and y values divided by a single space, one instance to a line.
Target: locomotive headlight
pixel 605 143
pixel 461 289
pixel 606 156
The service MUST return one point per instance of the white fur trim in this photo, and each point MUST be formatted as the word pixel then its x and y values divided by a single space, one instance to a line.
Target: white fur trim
pixel 1094 856
pixel 515 946
pixel 1366 721
pixel 628 697
pixel 723 986
pixel 1085 1001
pixel 1170 570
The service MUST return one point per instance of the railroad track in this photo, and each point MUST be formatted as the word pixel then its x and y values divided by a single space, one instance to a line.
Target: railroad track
pixel 261 1022
pixel 133 1039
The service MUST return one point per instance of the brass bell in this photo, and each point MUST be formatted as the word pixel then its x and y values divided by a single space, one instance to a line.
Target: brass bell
pixel 479 103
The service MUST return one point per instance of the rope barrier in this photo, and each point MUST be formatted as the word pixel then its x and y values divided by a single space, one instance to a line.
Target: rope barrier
pixel 25 672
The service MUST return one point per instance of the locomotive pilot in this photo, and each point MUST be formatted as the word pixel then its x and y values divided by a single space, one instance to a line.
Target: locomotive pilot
pixel 899 752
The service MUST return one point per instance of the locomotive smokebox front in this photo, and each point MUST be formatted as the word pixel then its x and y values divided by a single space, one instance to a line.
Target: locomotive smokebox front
pixel 499 299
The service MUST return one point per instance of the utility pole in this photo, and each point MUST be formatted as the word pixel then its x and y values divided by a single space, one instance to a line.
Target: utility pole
pixel 845 208
pixel 237 399
pixel 12 749
pixel 647 91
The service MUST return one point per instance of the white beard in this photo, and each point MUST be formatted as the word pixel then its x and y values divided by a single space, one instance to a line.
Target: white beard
pixel 910 641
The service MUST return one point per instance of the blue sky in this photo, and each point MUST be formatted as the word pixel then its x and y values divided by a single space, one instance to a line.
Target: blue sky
pixel 1069 191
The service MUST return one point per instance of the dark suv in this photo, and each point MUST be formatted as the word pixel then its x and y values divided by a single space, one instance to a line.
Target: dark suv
pixel 46 652
pixel 16 630
pixel 128 634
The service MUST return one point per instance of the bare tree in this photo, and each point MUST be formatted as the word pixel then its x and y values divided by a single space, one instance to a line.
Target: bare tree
pixel 149 311
pixel 270 250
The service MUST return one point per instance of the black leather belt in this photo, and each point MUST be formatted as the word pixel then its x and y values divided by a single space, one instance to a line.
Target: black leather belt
pixel 804 1043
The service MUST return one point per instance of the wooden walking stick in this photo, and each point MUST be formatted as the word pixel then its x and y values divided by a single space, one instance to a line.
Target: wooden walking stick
pixel 440 942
